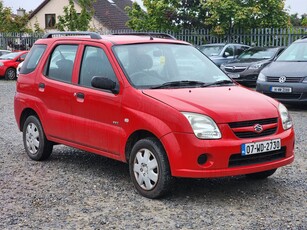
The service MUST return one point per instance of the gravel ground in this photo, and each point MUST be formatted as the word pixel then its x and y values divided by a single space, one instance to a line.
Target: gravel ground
pixel 78 190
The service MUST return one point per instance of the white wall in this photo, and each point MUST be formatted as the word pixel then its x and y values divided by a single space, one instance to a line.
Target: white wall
pixel 56 7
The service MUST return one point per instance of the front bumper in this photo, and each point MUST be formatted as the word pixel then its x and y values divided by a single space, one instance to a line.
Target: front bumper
pixel 298 94
pixel 184 150
pixel 246 76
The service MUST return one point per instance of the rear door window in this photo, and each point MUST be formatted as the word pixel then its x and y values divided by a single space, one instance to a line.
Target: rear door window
pixel 61 62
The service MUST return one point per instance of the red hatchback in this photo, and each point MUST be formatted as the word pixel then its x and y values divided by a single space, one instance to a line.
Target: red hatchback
pixel 158 104
pixel 9 63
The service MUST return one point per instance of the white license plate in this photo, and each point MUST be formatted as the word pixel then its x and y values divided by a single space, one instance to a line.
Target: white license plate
pixel 234 75
pixel 281 89
pixel 260 147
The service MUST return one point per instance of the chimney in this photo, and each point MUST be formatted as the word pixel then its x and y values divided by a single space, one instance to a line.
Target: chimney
pixel 21 12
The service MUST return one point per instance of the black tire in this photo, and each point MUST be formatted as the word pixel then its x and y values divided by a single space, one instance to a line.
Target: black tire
pixel 261 175
pixel 148 163
pixel 35 143
pixel 10 74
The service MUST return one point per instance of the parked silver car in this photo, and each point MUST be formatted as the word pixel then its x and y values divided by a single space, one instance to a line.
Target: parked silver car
pixel 221 53
pixel 246 68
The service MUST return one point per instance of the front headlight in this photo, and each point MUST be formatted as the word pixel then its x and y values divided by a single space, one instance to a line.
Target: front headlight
pixel 255 66
pixel 261 77
pixel 285 117
pixel 203 126
pixel 1 63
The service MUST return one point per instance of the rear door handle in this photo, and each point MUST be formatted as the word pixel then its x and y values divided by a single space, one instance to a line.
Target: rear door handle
pixel 41 87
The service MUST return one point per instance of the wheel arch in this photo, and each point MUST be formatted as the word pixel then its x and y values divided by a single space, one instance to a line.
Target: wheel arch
pixel 136 136
pixel 24 115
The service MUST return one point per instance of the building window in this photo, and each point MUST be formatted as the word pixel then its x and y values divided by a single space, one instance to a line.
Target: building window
pixel 50 21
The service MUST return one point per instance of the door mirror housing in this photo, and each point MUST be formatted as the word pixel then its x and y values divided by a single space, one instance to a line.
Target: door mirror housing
pixel 105 83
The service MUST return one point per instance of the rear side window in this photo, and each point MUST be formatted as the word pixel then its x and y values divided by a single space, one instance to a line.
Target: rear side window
pixel 61 62
pixel 32 59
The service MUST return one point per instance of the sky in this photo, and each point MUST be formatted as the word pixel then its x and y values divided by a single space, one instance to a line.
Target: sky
pixel 296 6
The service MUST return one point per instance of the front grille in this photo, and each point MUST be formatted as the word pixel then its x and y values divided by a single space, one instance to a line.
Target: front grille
pixel 231 69
pixel 266 132
pixel 284 95
pixel 251 123
pixel 288 79
pixel 239 160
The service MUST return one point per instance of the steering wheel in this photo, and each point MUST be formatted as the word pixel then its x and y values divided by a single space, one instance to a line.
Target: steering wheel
pixel 145 78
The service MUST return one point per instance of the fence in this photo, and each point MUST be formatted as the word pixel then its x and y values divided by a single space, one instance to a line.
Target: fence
pixel 254 37
pixel 18 41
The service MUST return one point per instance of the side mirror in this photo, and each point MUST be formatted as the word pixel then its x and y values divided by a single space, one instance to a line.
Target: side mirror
pixel 105 83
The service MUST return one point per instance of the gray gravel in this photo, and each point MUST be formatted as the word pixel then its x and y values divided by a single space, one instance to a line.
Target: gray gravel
pixel 78 190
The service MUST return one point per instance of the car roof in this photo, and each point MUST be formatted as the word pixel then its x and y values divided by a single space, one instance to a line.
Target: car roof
pixel 303 40
pixel 223 44
pixel 265 47
pixel 115 39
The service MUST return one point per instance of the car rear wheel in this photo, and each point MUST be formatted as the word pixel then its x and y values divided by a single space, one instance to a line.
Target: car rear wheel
pixel 261 175
pixel 149 168
pixel 36 145
pixel 10 74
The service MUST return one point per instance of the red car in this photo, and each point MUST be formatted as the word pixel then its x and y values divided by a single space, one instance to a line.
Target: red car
pixel 158 104
pixel 9 63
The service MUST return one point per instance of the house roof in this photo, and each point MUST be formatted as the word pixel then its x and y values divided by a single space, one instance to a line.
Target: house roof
pixel 110 13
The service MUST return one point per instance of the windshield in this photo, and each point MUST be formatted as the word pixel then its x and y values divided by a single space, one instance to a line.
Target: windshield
pixel 211 50
pixel 10 56
pixel 171 65
pixel 295 52
pixel 258 53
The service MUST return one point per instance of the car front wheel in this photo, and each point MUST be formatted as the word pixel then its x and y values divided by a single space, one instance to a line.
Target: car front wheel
pixel 149 168
pixel 36 145
pixel 10 74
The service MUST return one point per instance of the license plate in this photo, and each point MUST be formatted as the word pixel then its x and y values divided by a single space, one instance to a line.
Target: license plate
pixel 234 75
pixel 260 147
pixel 281 89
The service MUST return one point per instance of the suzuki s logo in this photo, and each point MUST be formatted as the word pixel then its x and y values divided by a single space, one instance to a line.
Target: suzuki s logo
pixel 282 79
pixel 258 128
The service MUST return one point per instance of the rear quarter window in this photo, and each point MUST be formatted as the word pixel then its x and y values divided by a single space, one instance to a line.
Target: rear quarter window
pixel 33 59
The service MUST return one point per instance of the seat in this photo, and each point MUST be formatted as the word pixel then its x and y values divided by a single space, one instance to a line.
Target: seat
pixel 64 70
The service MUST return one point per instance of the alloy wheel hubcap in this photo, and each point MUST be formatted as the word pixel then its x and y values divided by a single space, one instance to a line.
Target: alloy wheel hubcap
pixel 32 138
pixel 145 169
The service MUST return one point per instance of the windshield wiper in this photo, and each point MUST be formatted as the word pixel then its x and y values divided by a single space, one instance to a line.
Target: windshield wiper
pixel 221 82
pixel 180 84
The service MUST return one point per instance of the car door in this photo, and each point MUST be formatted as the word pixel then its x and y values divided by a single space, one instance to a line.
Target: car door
pixel 96 112
pixel 55 91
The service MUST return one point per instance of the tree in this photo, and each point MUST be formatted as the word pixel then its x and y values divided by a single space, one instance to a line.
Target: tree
pixel 295 20
pixel 223 15
pixel 12 23
pixel 219 15
pixel 73 21
pixel 166 15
